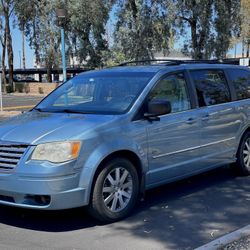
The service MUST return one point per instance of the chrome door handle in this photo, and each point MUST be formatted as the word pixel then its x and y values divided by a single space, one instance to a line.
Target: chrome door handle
pixel 191 121
pixel 205 118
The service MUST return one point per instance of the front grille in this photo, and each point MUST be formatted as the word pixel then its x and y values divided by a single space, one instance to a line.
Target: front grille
pixel 10 154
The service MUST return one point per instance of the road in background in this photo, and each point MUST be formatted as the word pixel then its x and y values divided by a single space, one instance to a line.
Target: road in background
pixel 20 102
pixel 182 215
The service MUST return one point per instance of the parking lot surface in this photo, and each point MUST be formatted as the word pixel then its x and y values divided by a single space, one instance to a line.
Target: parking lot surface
pixel 182 215
pixel 20 102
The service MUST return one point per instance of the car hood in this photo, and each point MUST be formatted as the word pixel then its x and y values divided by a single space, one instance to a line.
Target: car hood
pixel 36 127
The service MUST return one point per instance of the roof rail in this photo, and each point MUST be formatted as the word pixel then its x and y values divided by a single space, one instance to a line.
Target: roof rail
pixel 172 62
pixel 149 61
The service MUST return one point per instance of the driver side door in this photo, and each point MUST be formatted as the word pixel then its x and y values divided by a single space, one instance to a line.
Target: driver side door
pixel 173 140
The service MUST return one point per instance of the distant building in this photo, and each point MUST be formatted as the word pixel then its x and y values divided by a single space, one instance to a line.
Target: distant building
pixel 172 55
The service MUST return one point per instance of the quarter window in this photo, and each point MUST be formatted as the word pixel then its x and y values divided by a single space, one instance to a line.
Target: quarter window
pixel 241 82
pixel 173 89
pixel 211 87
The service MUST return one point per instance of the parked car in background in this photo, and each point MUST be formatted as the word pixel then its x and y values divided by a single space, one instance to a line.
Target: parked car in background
pixel 104 137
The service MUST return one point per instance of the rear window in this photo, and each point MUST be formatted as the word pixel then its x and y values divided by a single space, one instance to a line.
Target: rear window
pixel 241 82
pixel 211 87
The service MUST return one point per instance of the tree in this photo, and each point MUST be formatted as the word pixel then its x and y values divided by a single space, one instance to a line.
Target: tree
pixel 22 11
pixel 196 15
pixel 7 9
pixel 3 44
pixel 227 25
pixel 38 19
pixel 85 30
pixel 143 27
pixel 245 25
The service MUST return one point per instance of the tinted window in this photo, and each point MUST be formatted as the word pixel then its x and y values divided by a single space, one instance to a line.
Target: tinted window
pixel 174 89
pixel 241 82
pixel 211 87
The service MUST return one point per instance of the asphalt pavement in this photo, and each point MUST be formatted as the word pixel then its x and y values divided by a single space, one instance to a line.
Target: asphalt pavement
pixel 20 102
pixel 182 215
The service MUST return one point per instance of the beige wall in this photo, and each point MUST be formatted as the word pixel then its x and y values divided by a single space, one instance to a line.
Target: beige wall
pixel 36 87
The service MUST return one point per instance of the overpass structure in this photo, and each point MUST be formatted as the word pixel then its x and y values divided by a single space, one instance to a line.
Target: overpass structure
pixel 39 72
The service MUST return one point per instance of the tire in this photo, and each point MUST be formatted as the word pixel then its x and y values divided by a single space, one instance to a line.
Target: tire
pixel 243 156
pixel 115 191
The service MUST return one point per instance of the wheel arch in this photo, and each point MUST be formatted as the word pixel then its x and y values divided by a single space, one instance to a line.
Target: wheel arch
pixel 129 155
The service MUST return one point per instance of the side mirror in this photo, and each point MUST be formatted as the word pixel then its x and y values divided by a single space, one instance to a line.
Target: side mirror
pixel 157 108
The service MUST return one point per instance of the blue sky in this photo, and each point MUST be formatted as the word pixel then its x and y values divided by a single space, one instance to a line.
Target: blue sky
pixel 17 49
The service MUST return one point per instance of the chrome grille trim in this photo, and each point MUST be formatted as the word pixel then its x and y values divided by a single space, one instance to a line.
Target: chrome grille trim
pixel 10 154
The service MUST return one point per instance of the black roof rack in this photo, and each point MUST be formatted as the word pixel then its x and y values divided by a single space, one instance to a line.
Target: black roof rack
pixel 151 61
pixel 172 62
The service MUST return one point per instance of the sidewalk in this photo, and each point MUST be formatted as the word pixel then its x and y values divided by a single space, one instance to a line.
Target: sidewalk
pixel 241 244
pixel 6 114
pixel 237 240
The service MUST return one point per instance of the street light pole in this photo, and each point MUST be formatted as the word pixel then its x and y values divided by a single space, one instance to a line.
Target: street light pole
pixel 20 59
pixel 61 15
pixel 63 55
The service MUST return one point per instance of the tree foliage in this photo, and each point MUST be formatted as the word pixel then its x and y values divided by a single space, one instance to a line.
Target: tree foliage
pixel 143 27
pixel 245 25
pixel 7 7
pixel 227 25
pixel 85 30
pixel 195 16
pixel 211 23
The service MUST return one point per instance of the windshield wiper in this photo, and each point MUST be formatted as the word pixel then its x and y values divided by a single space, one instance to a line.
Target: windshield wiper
pixel 39 109
pixel 68 111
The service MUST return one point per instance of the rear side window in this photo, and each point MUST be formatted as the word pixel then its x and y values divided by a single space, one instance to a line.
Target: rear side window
pixel 211 87
pixel 241 81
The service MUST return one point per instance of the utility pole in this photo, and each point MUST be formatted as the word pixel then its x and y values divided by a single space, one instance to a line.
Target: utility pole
pixel 20 59
pixel 23 47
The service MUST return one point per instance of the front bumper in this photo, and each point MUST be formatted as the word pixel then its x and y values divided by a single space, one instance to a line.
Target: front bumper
pixel 63 200
pixel 39 185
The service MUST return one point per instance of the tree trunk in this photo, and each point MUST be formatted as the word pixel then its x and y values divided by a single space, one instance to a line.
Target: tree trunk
pixel 49 74
pixel 9 45
pixel 243 48
pixel 248 47
pixel 193 25
pixel 3 62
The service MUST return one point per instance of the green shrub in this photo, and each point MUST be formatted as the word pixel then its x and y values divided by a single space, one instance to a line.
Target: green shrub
pixel 40 90
pixel 19 87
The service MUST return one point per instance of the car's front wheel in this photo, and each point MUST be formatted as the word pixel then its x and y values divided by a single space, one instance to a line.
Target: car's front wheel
pixel 115 191
pixel 243 155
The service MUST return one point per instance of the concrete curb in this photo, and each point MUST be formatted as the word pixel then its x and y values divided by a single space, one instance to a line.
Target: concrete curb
pixel 226 239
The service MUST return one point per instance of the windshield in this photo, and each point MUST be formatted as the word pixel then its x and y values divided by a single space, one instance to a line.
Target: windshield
pixel 112 93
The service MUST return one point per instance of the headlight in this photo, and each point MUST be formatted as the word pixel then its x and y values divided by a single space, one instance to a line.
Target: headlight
pixel 56 152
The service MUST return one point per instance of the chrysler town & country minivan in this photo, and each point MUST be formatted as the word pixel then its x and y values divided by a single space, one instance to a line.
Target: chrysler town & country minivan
pixel 104 137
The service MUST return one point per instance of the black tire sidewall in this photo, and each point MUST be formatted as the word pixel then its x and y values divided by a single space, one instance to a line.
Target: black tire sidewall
pixel 243 170
pixel 101 212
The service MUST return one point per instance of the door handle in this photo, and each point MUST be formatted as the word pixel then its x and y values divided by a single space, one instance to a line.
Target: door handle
pixel 191 121
pixel 205 118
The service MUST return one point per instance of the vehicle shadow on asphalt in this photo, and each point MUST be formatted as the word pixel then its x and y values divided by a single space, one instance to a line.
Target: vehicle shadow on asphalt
pixel 180 215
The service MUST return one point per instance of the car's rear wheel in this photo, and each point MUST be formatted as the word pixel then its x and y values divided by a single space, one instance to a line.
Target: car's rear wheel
pixel 243 155
pixel 115 191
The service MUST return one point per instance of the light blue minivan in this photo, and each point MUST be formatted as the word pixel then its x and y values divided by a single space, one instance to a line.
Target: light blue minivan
pixel 104 137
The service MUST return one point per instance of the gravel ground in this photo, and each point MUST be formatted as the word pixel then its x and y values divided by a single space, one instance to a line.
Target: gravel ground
pixel 241 244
